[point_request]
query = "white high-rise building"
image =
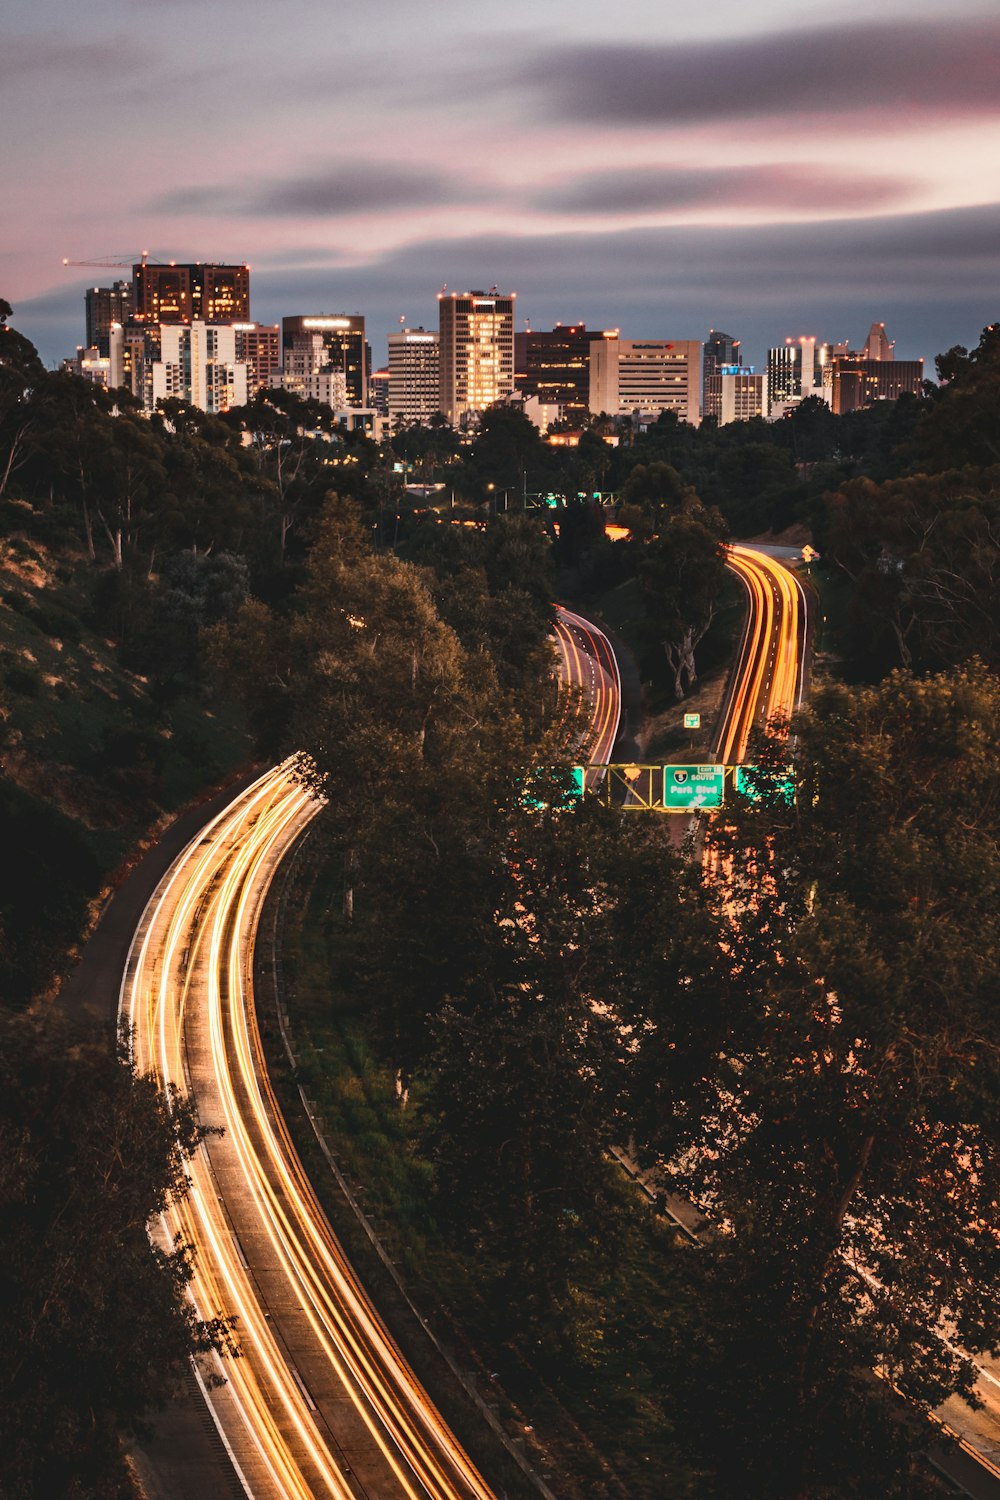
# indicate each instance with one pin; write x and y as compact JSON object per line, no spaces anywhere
{"x":414,"y":374}
{"x":198,"y":364}
{"x":735,"y":393}
{"x":646,"y":376}
{"x":796,"y":370}
{"x":476,"y":351}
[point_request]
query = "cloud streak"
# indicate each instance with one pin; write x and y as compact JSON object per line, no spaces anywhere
{"x":776,"y":187}
{"x":27,"y":60}
{"x":904,"y":71}
{"x":336,"y":192}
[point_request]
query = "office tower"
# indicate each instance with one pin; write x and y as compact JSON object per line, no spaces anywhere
{"x":414,"y":375}
{"x":258,"y":346}
{"x":106,"y":305}
{"x":645,"y":376}
{"x":735,"y":393}
{"x":134,"y":349}
{"x":858,"y":381}
{"x":718,"y":349}
{"x":877,"y":346}
{"x":378,"y":391}
{"x":553,"y":367}
{"x":185,"y":293}
{"x":198,"y":364}
{"x":476,"y":332}
{"x":796,"y":371}
{"x":318,"y":343}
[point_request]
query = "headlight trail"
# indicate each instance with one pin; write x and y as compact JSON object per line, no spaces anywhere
{"x":588,"y":663}
{"x":769,"y":678}
{"x":322,"y":1402}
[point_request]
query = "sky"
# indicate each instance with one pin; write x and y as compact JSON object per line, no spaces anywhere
{"x":770,"y":168}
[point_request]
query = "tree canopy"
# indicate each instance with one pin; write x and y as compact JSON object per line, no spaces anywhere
{"x":96,"y":1328}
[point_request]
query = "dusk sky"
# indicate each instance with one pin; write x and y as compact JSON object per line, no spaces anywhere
{"x":765,"y":167}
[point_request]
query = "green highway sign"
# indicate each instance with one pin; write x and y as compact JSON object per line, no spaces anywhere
{"x":692,"y":721}
{"x":753,"y":783}
{"x":688,"y":787}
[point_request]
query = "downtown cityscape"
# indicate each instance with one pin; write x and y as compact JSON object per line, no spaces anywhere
{"x":500,"y":752}
{"x":183,"y":331}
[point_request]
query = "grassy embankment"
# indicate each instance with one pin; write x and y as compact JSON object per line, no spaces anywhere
{"x":93,"y":759}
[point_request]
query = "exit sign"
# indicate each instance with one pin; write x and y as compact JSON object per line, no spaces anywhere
{"x":688,"y":787}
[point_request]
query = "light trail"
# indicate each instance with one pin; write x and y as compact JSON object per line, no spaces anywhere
{"x":322,"y":1402}
{"x":588,"y":662}
{"x":770,"y":675}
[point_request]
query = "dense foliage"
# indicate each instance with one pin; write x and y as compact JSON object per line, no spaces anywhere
{"x":95,"y":1327}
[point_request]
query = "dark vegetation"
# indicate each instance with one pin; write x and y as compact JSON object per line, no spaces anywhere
{"x":513,"y":988}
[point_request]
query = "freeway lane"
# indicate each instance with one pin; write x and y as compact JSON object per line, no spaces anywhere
{"x":587,"y":662}
{"x":769,"y":679}
{"x":322,"y":1403}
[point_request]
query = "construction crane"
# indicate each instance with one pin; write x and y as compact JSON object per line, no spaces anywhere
{"x":112,"y":262}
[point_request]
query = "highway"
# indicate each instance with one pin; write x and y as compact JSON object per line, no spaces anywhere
{"x":587,"y":661}
{"x":321,"y":1403}
{"x":768,"y":682}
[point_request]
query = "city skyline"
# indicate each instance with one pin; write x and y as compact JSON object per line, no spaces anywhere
{"x":772,"y":172}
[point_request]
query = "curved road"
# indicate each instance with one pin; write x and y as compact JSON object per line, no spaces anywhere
{"x":768,"y":682}
{"x":587,"y":661}
{"x":321,"y":1403}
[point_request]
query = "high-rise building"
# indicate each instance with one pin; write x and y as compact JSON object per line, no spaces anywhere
{"x":378,"y":392}
{"x":735,"y":394}
{"x":317,"y":342}
{"x":553,"y":367}
{"x":106,"y":305}
{"x":198,"y":364}
{"x":718,"y":349}
{"x":877,"y":346}
{"x":414,"y":375}
{"x":796,"y":370}
{"x":645,"y":376}
{"x":476,"y":331}
{"x":197,"y":291}
{"x":134,"y":349}
{"x":258,"y":346}
{"x":861,"y":382}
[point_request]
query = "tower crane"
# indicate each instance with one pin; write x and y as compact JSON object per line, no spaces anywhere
{"x":111,"y":262}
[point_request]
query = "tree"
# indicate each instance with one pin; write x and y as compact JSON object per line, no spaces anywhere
{"x":20,"y":372}
{"x":923,"y":554}
{"x":962,"y":423}
{"x":839,"y":1117}
{"x":532,"y":1063}
{"x":680,"y":576}
{"x":282,"y":429}
{"x":96,"y":1328}
{"x":650,"y":495}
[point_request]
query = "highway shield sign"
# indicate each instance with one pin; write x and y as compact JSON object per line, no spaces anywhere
{"x":686,"y":788}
